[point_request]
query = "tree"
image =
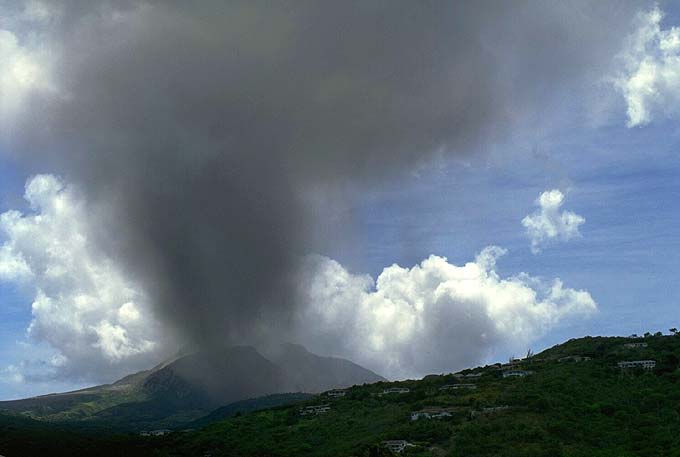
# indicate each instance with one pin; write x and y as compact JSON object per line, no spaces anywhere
{"x":673,"y":330}
{"x":378,"y":451}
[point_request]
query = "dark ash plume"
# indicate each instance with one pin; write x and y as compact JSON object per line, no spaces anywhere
{"x":197,"y":128}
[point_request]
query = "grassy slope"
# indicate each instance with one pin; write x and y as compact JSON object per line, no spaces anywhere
{"x":564,"y":409}
{"x":82,"y":404}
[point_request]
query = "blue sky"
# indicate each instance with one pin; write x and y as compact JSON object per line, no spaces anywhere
{"x":624,"y":180}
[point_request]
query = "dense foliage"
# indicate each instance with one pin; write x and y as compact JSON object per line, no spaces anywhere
{"x":585,"y":408}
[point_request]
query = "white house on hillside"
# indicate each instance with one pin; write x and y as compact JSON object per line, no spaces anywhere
{"x":635,"y":364}
{"x":314,"y":410}
{"x":430,"y":413}
{"x":458,"y":386}
{"x":468,"y":376}
{"x":574,"y":358}
{"x":395,"y":390}
{"x":516,"y":373}
{"x":337,"y":393}
{"x":635,"y":345}
{"x":396,"y":446}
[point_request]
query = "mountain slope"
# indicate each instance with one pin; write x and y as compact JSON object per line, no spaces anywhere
{"x":569,"y":408}
{"x":190,"y":387}
{"x":212,"y":379}
{"x":308,"y":372}
{"x":80,"y":404}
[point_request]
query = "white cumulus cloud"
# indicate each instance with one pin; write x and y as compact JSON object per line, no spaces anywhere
{"x":650,"y":81}
{"x":97,"y":320}
{"x":433,"y":317}
{"x":547,"y":224}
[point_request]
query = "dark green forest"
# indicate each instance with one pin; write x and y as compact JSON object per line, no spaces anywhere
{"x":585,"y":407}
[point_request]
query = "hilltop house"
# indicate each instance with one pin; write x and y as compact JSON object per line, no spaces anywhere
{"x":314,"y":410}
{"x":637,"y":364}
{"x":395,"y":390}
{"x":458,"y":386}
{"x":337,"y":393}
{"x":574,"y":358}
{"x":396,"y":446}
{"x":430,"y":413}
{"x":635,"y":345}
{"x":516,"y":373}
{"x":468,"y":376}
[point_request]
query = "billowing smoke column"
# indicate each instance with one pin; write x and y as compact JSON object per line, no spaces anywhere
{"x":196,"y":129}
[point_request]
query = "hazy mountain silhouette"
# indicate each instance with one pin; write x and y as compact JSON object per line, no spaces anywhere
{"x":191,"y":386}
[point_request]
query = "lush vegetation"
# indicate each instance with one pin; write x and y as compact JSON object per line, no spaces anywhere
{"x":584,"y":408}
{"x":245,"y":406}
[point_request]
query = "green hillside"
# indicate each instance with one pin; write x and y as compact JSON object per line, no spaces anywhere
{"x":564,"y":408}
{"x":246,"y":406}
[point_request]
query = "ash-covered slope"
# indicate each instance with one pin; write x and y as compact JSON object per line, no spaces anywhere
{"x":308,"y":372}
{"x":216,"y":378}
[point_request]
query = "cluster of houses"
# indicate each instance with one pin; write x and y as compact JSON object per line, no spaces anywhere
{"x":508,"y":370}
{"x":630,"y":365}
{"x":625,"y":365}
{"x":315,"y":410}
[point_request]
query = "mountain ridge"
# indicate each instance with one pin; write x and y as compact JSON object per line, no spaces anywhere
{"x":192,"y":386}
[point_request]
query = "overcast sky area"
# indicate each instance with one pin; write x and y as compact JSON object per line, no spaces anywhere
{"x":416,"y":190}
